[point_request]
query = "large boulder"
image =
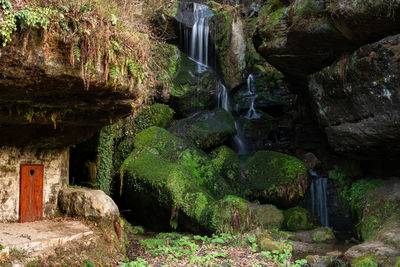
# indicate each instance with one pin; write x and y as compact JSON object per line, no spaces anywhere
{"x":89,"y":204}
{"x":357,"y":102}
{"x":298,"y":37}
{"x":175,"y":190}
{"x":206,"y":129}
{"x":367,"y":21}
{"x":276,"y":178}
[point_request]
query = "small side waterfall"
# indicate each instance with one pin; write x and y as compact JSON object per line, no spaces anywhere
{"x":319,"y":204}
{"x":251,"y":91}
{"x":222,"y":94}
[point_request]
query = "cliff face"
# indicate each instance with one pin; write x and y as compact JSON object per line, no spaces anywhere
{"x":67,"y":69}
{"x":324,"y":49}
{"x":43,"y":100}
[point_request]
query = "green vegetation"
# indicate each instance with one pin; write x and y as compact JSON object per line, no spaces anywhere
{"x":27,"y":17}
{"x":226,"y":162}
{"x":276,"y":178}
{"x":216,"y":250}
{"x":298,"y":219}
{"x":364,"y":261}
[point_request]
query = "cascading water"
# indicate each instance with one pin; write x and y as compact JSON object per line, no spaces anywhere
{"x":200,"y":36}
{"x":252,"y":113}
{"x":222,"y":94}
{"x":319,"y":204}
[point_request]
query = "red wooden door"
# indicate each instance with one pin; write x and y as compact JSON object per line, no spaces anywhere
{"x":31,"y":195}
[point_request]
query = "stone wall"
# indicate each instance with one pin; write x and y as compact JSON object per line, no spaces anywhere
{"x":55,"y":177}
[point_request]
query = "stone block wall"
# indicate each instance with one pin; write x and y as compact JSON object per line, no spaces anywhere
{"x":55,"y":177}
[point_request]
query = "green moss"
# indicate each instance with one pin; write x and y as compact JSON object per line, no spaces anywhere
{"x":276,"y":177}
{"x":234,"y":214}
{"x":298,"y":219}
{"x":306,"y":9}
{"x":322,"y":235}
{"x":206,"y":129}
{"x":397,"y":262}
{"x":169,"y":146}
{"x":105,"y":151}
{"x":226,"y":163}
{"x":364,"y":261}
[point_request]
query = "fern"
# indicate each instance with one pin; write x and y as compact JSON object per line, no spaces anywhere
{"x":114,"y":72}
{"x":77,"y":52}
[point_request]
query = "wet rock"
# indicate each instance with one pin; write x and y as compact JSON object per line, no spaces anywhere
{"x":276,"y":178}
{"x":90,"y":204}
{"x":357,"y":103}
{"x":207,"y":129}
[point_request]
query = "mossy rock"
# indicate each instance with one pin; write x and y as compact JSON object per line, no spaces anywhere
{"x":235,"y":214}
{"x":207,"y":129}
{"x":226,"y":163}
{"x":276,"y":178}
{"x":364,"y":261}
{"x":397,"y":262}
{"x":323,"y":235}
{"x":298,"y":219}
{"x":173,"y":187}
{"x":180,"y":151}
{"x":266,"y":243}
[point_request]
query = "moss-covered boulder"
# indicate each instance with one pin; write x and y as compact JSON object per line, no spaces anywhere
{"x":173,"y":187}
{"x":298,"y":219}
{"x":234,"y":214}
{"x":179,"y":151}
{"x":206,"y":129}
{"x":266,"y":243}
{"x":226,"y":163}
{"x":276,"y":178}
{"x":322,"y":235}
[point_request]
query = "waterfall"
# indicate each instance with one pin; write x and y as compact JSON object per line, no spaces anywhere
{"x":251,"y":91}
{"x":200,"y":34}
{"x":318,"y":191}
{"x":222,"y":95}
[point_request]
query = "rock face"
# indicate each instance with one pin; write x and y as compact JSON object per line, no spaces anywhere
{"x":43,"y":101}
{"x":299,"y":38}
{"x":207,"y":129}
{"x":357,"y":100}
{"x":90,"y":204}
{"x":304,"y":36}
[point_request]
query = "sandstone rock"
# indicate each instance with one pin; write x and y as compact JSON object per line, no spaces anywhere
{"x":91,"y":204}
{"x":366,"y":21}
{"x":357,"y":100}
{"x":56,"y":110}
{"x":299,"y":38}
